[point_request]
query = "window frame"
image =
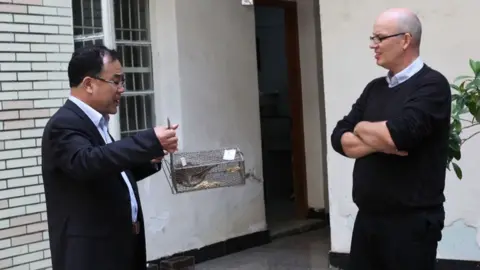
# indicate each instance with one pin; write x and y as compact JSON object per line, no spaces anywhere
{"x":108,"y":38}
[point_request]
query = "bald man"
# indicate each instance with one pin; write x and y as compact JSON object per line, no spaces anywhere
{"x":397,"y":130}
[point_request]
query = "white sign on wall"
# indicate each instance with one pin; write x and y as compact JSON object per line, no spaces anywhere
{"x":247,"y":2}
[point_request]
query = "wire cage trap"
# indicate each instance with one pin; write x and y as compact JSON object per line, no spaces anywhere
{"x":190,"y":171}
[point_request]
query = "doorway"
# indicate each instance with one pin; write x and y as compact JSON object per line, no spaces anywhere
{"x":281,"y":112}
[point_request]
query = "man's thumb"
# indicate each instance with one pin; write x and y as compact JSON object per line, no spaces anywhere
{"x":174,"y":127}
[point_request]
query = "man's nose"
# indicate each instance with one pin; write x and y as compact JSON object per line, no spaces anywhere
{"x":121,"y":89}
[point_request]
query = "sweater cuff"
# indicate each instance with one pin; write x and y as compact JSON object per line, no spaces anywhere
{"x":337,"y":141}
{"x":397,"y":139}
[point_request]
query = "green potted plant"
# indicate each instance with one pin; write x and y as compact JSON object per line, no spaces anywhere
{"x":465,"y":114}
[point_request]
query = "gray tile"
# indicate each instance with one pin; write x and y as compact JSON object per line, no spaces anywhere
{"x":308,"y":251}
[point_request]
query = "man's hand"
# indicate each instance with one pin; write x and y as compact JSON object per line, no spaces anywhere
{"x":168,"y":138}
{"x":354,"y":147}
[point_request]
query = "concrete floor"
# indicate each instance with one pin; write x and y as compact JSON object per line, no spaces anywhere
{"x":307,"y":251}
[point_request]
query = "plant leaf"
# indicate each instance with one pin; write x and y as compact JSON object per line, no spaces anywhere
{"x":475,"y":65}
{"x":472,"y":107}
{"x":457,"y":125}
{"x":464,"y":77}
{"x":477,"y":115}
{"x":455,"y":87}
{"x":461,"y":87}
{"x":473,"y":84}
{"x":454,"y":115}
{"x":457,"y":154}
{"x":458,"y":170}
{"x":476,"y":82}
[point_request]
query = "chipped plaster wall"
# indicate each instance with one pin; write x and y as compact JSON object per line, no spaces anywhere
{"x":204,"y":60}
{"x":449,"y":40}
{"x":206,"y":80}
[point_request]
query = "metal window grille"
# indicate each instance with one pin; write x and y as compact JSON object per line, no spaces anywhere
{"x":134,"y":46}
{"x":87,"y":22}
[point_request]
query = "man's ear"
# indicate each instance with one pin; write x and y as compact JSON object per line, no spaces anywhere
{"x":88,"y":84}
{"x":407,"y":41}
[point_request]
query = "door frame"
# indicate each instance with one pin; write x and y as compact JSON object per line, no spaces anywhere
{"x":296,"y":102}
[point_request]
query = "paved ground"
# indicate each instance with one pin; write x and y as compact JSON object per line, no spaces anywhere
{"x":307,"y":251}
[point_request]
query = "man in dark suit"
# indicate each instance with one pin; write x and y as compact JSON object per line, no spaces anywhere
{"x":93,"y":207}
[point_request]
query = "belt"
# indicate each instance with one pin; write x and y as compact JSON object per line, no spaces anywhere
{"x":136,"y":227}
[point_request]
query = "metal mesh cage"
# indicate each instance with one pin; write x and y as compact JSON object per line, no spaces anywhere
{"x":190,"y":171}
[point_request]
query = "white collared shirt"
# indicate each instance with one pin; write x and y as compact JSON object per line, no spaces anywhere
{"x":405,"y":74}
{"x":101,"y":123}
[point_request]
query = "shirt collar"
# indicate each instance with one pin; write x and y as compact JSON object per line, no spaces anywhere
{"x":405,"y":74}
{"x":97,"y":118}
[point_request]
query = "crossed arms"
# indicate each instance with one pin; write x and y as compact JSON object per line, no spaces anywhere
{"x":367,"y":138}
{"x":355,"y":138}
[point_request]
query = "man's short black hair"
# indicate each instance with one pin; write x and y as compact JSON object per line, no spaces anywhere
{"x":88,"y":61}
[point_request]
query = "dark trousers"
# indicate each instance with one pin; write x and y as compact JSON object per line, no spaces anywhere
{"x":85,"y":253}
{"x":396,"y":241}
{"x":136,"y":252}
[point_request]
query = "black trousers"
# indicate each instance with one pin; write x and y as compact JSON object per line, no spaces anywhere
{"x":88,"y":253}
{"x":396,"y":241}
{"x":136,"y":252}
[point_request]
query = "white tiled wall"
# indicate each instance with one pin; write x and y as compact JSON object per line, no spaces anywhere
{"x":36,"y":43}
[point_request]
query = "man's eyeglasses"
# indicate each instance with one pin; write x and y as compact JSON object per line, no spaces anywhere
{"x":379,"y":39}
{"x":119,"y":83}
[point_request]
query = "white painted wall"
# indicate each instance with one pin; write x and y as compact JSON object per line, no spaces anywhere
{"x":206,"y":80}
{"x":448,"y":43}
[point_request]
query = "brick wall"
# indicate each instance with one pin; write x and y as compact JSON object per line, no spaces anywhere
{"x":35,"y":46}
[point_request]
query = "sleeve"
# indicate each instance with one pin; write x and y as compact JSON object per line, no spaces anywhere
{"x":348,"y":123}
{"x":76,"y":156}
{"x":143,"y":171}
{"x":428,"y":105}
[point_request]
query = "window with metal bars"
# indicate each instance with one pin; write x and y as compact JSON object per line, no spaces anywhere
{"x":134,"y":46}
{"x":87,"y":22}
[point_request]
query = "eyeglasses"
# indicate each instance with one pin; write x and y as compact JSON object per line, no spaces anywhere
{"x":379,"y":39}
{"x":119,"y":84}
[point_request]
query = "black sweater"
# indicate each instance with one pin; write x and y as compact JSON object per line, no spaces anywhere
{"x":418,"y":117}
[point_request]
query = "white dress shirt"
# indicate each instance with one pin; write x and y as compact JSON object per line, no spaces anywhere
{"x":405,"y":74}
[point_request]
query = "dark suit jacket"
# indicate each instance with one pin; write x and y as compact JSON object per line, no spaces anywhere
{"x":88,"y":204}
